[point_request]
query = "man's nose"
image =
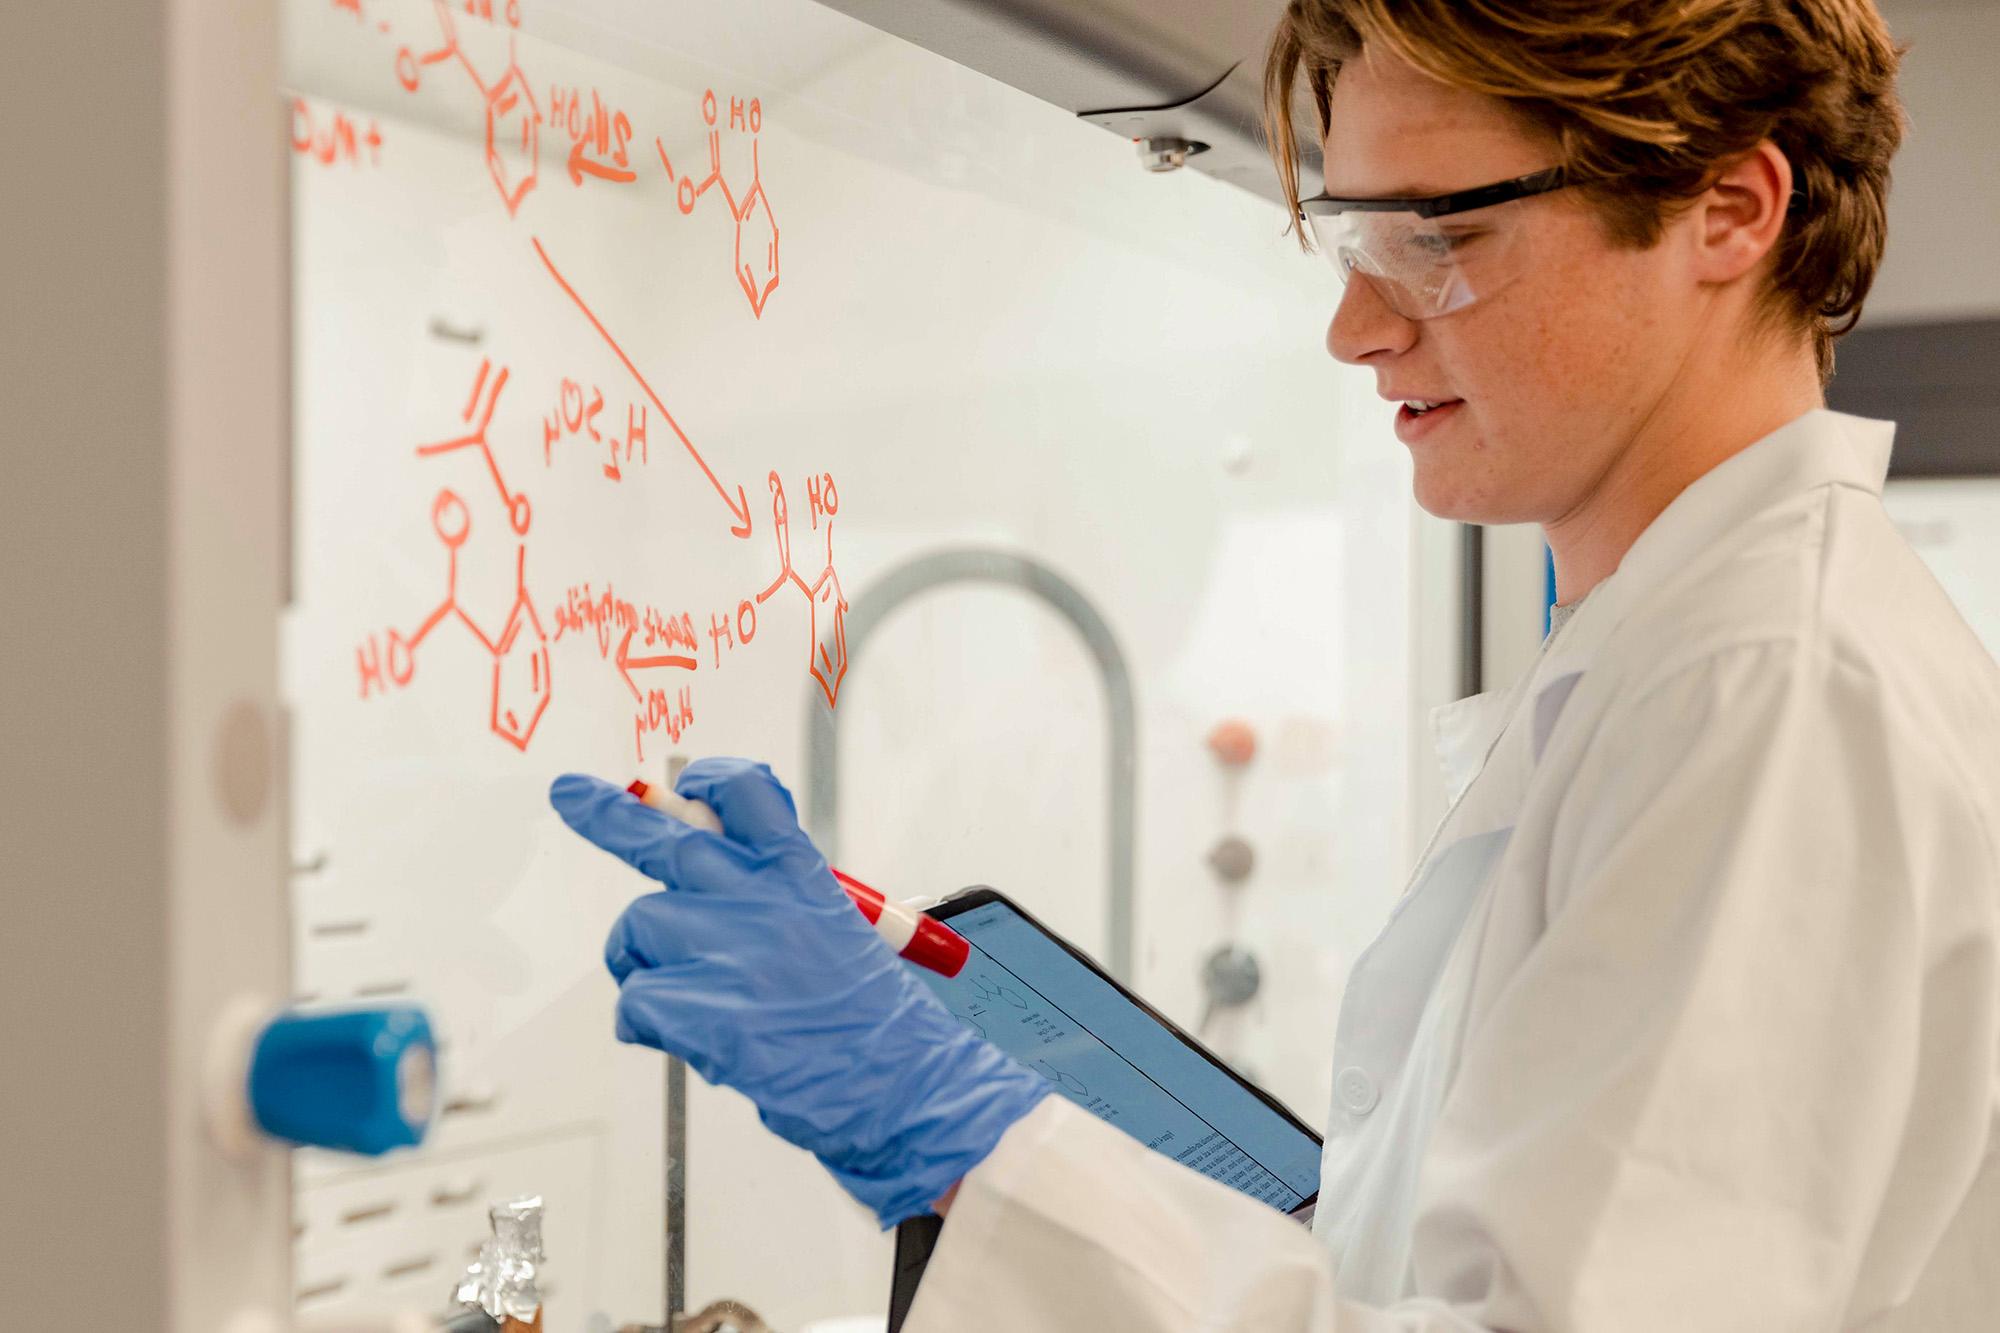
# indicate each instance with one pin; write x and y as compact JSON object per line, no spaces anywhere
{"x":1364,"y":325}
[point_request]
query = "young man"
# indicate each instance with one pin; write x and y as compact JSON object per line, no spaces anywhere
{"x":1690,"y":1021}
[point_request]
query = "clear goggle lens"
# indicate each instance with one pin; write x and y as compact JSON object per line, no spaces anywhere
{"x":1424,"y":267}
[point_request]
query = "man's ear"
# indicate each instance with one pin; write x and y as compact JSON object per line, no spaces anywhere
{"x":1738,"y":219}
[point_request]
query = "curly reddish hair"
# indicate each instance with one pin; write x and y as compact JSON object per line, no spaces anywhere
{"x":1645,"y":100}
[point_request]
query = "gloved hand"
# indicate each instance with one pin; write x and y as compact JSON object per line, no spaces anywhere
{"x":756,"y":969}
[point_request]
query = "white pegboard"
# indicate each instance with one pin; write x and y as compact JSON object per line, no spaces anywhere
{"x":398,"y":1237}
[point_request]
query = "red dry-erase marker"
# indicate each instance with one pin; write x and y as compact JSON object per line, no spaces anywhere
{"x":922,"y":939}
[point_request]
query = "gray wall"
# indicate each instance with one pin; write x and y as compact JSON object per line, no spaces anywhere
{"x":1944,"y":202}
{"x":83,"y":621}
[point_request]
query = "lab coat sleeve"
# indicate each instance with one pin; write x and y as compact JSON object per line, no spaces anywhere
{"x":1073,"y":1224}
{"x":1744,"y":1076}
{"x":1753,"y":1043}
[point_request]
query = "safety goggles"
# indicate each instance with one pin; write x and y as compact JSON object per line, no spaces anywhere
{"x":1428,"y":257}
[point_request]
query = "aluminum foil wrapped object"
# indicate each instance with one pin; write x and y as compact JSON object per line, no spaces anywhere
{"x":501,"y":1281}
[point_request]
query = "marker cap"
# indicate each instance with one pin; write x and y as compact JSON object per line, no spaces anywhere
{"x":917,"y":936}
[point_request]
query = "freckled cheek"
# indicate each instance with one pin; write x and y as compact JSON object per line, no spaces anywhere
{"x":1508,"y":361}
{"x":1509,"y":364}
{"x":1569,"y":344}
{"x":1610,"y":311}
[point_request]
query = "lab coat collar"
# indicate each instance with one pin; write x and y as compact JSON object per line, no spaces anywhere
{"x":1463,"y":734}
{"x":1820,"y":448}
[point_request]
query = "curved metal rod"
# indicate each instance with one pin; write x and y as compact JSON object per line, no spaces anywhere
{"x":940,"y":569}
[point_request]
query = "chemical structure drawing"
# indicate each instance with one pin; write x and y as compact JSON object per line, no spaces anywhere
{"x":522,"y":682}
{"x":519,"y":515}
{"x":600,"y":135}
{"x":756,"y":226}
{"x":827,"y":656}
{"x":1068,"y":1082}
{"x":513,"y":116}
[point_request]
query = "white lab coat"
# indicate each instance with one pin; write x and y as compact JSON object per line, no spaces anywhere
{"x":1688,"y":1019}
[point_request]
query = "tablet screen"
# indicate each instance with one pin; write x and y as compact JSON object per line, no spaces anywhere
{"x":1048,"y":1009}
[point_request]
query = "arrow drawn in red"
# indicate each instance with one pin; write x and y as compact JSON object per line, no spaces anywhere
{"x":578,"y":164}
{"x":627,"y":663}
{"x":738,"y":507}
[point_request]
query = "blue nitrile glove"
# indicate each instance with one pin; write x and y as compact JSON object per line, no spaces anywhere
{"x":756,"y":969}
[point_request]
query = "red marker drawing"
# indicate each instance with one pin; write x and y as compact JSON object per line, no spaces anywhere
{"x":922,"y":939}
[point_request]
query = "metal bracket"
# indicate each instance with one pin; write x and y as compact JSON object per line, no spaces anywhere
{"x":1222,"y":124}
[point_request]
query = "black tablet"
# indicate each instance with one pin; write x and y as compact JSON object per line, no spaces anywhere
{"x":1049,"y":1006}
